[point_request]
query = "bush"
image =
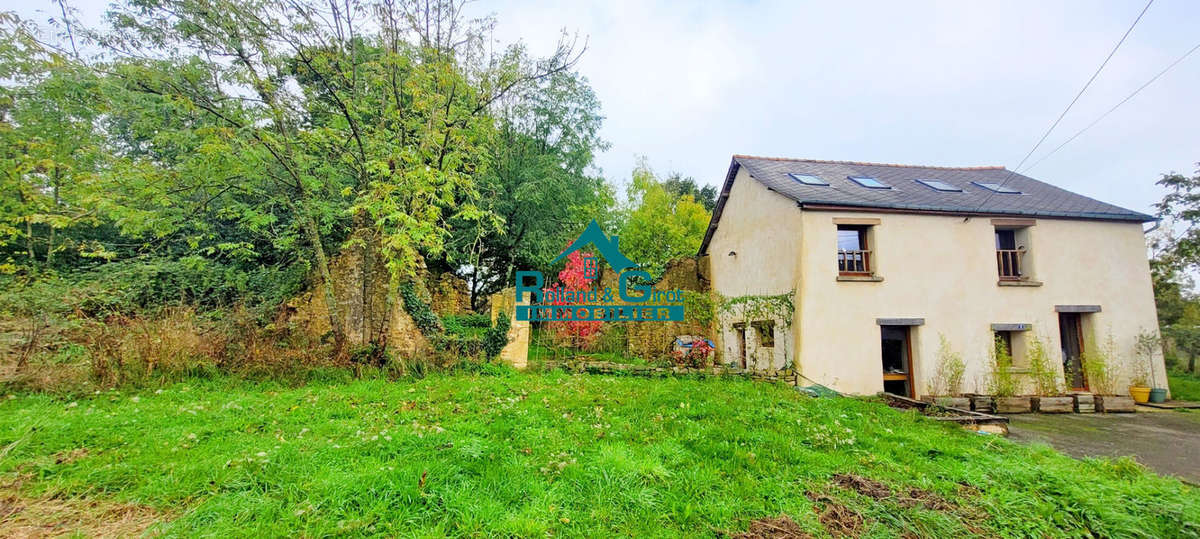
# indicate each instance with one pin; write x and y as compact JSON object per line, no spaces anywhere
{"x":1003,"y":382}
{"x":1045,"y":376}
{"x":1097,"y":365}
{"x":950,"y":370}
{"x":466,"y":324}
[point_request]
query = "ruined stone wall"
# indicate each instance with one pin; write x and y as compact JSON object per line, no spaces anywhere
{"x":370,"y":311}
{"x":654,"y":340}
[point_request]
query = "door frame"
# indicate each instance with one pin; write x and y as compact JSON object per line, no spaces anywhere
{"x":1078,"y":338}
{"x":908,"y":374}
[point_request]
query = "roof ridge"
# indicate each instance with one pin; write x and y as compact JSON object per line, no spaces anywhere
{"x":824,"y":161}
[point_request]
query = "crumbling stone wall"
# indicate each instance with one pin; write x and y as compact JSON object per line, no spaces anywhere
{"x":448,"y":294}
{"x":516,"y":352}
{"x":370,"y":311}
{"x":654,"y":340}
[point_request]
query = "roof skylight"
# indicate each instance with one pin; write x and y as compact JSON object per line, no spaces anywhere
{"x":869,"y":182}
{"x":998,"y":188}
{"x":938,"y":185}
{"x":808,"y":179}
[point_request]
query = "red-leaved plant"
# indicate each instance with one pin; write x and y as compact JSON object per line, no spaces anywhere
{"x":578,"y":334}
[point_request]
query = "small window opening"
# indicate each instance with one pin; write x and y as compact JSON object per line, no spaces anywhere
{"x":766,"y":332}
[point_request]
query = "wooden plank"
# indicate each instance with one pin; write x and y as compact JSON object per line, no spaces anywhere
{"x":1011,"y":222}
{"x":863,"y":221}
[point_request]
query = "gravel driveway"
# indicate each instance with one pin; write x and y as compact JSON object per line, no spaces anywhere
{"x":1167,"y":442}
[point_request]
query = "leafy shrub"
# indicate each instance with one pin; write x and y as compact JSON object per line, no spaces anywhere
{"x":1041,"y":370}
{"x":496,"y":337}
{"x":698,"y":307}
{"x":1002,"y":383}
{"x":466,"y":324}
{"x":950,"y":370}
{"x":1098,"y":366}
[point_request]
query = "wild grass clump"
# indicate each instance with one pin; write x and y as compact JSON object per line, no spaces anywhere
{"x":1046,"y":380}
{"x":950,"y":370}
{"x":1098,"y":368}
{"x":1002,"y":382}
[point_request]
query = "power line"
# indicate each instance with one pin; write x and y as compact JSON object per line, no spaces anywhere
{"x":1068,"y":109}
{"x":1118,"y":105}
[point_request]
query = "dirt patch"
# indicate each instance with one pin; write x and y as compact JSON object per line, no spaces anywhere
{"x":50,"y":517}
{"x":780,"y":527}
{"x":908,"y":498}
{"x":837,"y":519}
{"x":67,"y":457}
{"x":867,"y":487}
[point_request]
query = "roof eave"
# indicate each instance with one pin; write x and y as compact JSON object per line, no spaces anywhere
{"x":720,"y":207}
{"x":1132,"y":217}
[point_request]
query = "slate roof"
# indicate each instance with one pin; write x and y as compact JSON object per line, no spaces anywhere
{"x":1037,"y":199}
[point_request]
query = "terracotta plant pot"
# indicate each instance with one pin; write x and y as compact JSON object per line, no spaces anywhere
{"x":1140,"y":394}
{"x":1064,"y":404}
{"x":1114,"y":404}
{"x":1013,"y":405}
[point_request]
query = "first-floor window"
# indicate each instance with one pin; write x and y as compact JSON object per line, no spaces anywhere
{"x":854,"y":253}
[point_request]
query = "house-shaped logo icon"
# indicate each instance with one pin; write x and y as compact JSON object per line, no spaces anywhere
{"x":608,"y":247}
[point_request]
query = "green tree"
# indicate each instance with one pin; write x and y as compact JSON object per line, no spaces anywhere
{"x":659,"y":225}
{"x":254,"y":124}
{"x":539,"y":186}
{"x":679,"y":185}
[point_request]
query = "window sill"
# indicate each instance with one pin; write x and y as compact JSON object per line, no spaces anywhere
{"x":860,"y":278}
{"x":1004,"y":282}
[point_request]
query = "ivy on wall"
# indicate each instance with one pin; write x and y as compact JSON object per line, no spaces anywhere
{"x":698,"y":307}
{"x":423,"y":316}
{"x":779,"y":307}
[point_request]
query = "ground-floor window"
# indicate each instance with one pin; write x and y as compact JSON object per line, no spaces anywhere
{"x":766,"y":332}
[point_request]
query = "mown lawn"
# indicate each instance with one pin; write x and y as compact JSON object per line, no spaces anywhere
{"x":538,"y":454}
{"x":1184,"y":386}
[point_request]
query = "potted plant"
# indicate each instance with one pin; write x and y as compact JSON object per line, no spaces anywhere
{"x":1003,"y":382}
{"x":1139,"y":386}
{"x":1148,"y":342}
{"x":947,"y":382}
{"x":1097,"y":368}
{"x":1048,"y":398}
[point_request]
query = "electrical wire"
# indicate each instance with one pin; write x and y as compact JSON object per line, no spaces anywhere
{"x":1118,"y":105}
{"x":1068,"y":109}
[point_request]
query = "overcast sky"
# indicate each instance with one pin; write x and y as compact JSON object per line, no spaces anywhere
{"x":688,"y":84}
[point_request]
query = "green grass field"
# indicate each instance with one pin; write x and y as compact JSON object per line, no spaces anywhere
{"x":1184,"y":386}
{"x":538,"y":454}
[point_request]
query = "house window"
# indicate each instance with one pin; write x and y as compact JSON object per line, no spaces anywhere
{"x":1010,"y":253}
{"x":854,"y":252}
{"x":766,"y":332}
{"x":1004,"y":341}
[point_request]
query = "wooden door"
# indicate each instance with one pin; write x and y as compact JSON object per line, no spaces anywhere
{"x":1070,"y":334}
